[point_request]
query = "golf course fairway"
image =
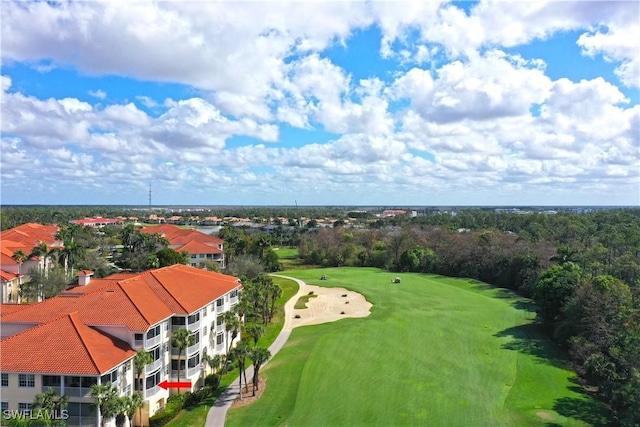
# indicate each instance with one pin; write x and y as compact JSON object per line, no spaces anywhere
{"x":435,"y":351}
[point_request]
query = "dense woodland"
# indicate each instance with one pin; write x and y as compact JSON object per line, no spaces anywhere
{"x":582,"y":270}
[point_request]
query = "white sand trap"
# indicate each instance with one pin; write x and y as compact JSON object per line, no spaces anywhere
{"x":329,"y":306}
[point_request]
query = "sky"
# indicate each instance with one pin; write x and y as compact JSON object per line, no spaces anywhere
{"x":392,"y":103}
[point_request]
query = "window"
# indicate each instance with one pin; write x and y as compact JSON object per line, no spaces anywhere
{"x":153,"y":380}
{"x":177,"y":321}
{"x":204,"y":332}
{"x":23,"y":406}
{"x":156,"y":353}
{"x":220,"y":302}
{"x":138,"y":337}
{"x":27,"y":380}
{"x":213,"y":306}
{"x":194,"y":361}
{"x":127,"y":390}
{"x":174,"y":364}
{"x":234,"y":293}
{"x":200,"y":255}
{"x":153,"y":332}
{"x":5,"y":380}
{"x":4,"y":406}
{"x":111,"y":377}
{"x":50,"y":381}
{"x":204,"y":311}
{"x":196,"y":336}
{"x":125,"y":367}
{"x":219,"y":320}
{"x":220,"y":339}
{"x":194,"y":318}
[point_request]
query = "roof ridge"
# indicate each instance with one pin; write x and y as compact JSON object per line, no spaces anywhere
{"x":152,"y":274}
{"x":75,"y":317}
{"x":133,"y":303}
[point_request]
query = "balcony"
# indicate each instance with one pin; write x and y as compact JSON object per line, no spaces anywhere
{"x":220,"y":327}
{"x":57,"y":389}
{"x":151,"y":391}
{"x":152,"y":342}
{"x":193,"y":349}
{"x":193,"y":371}
{"x":153,"y":366}
{"x":233,"y":300}
{"x":77,"y":391}
{"x":194,"y":326}
{"x":220,"y":347}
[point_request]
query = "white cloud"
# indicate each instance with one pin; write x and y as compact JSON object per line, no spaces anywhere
{"x":100,"y":94}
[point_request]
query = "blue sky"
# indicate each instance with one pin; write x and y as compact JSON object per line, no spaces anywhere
{"x":323,"y":103}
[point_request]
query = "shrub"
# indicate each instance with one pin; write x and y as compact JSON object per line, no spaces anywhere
{"x":212,"y":380}
{"x":162,"y":417}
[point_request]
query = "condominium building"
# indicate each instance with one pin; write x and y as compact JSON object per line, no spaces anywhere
{"x":90,"y":335}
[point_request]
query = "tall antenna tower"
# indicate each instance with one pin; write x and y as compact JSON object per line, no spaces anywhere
{"x":149,"y":197}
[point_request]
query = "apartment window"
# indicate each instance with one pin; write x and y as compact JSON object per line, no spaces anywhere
{"x":24,"y":406}
{"x":177,"y":321}
{"x":220,"y":339}
{"x":219,"y":320}
{"x":27,"y":380}
{"x":156,"y":353}
{"x":174,"y":364}
{"x":200,"y":255}
{"x":204,"y":332}
{"x":138,"y":337}
{"x":213,"y":306}
{"x":204,"y":312}
{"x":5,"y":380}
{"x":50,"y":381}
{"x":234,"y":293}
{"x":153,"y":380}
{"x":125,"y":367}
{"x":194,"y":361}
{"x":4,"y":406}
{"x":194,"y":318}
{"x":111,"y":377}
{"x":127,"y":390}
{"x":220,"y":302}
{"x":153,"y":332}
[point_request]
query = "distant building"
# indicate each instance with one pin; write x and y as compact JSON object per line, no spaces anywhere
{"x":200,"y":246}
{"x":97,"y":222}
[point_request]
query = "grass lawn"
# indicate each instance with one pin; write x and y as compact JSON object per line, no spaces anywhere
{"x":302,"y":301}
{"x":197,"y":415}
{"x":435,"y":351}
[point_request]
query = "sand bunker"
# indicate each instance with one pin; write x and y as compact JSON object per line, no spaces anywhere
{"x":331,"y":304}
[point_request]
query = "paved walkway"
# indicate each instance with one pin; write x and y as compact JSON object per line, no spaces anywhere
{"x":218,"y":412}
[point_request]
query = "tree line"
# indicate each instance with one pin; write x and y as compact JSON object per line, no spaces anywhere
{"x":582,"y":271}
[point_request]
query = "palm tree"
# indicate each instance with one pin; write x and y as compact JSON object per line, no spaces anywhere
{"x":255,"y":331}
{"x":232,"y":326}
{"x":140,"y":360}
{"x":276,"y":292}
{"x":181,"y":339}
{"x":19,"y":256}
{"x":41,"y":250}
{"x":105,"y":396}
{"x":214,"y":362}
{"x":71,"y":254}
{"x":49,"y":401}
{"x":130,"y":404}
{"x":259,"y":356}
{"x":241,"y":352}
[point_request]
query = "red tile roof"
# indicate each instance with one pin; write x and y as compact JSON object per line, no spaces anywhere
{"x":63,"y":345}
{"x":7,"y":276}
{"x":137,"y":301}
{"x":10,"y":308}
{"x":195,"y":247}
{"x":180,"y":236}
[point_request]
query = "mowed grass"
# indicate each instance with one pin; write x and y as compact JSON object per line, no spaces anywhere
{"x":435,"y":351}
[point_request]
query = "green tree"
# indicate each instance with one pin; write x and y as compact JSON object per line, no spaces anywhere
{"x":232,"y":327}
{"x":554,"y":288}
{"x":213,"y":362}
{"x":181,"y":339}
{"x":105,"y":396}
{"x":240,"y":353}
{"x":168,"y":256}
{"x":259,"y":356}
{"x":130,"y":404}
{"x":255,"y":332}
{"x":140,"y":360}
{"x":46,"y":284}
{"x":49,"y":401}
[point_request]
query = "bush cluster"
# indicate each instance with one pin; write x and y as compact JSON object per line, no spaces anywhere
{"x":162,"y":417}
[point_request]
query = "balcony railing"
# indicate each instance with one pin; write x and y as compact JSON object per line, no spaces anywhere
{"x":151,"y":391}
{"x":153,"y":366}
{"x":194,"y":326}
{"x":220,"y":327}
{"x":193,"y":371}
{"x":219,"y":308}
{"x":233,"y":300}
{"x":77,"y":391}
{"x":57,"y":389}
{"x":219,"y":347}
{"x":193,"y":349}
{"x":152,"y":342}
